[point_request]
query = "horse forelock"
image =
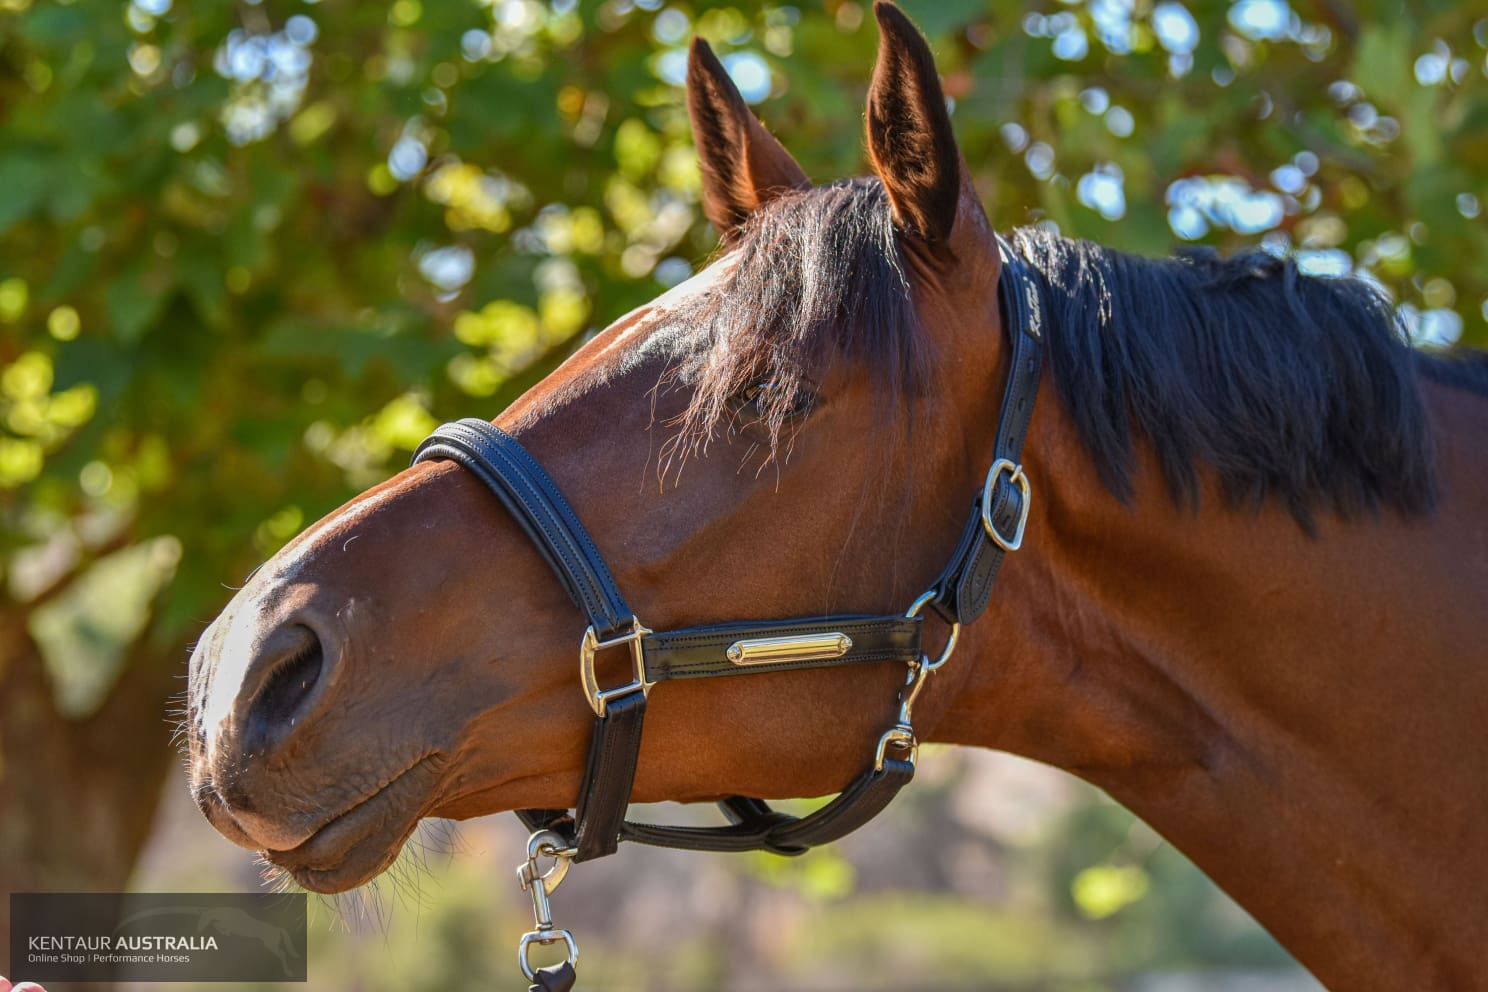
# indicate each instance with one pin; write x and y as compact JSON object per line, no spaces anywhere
{"x":819,"y":277}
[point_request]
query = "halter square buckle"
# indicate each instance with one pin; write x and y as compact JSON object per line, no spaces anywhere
{"x":592,"y":645}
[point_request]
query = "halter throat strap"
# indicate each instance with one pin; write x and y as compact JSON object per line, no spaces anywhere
{"x":960,"y":594}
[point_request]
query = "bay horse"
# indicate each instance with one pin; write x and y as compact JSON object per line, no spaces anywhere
{"x":1249,"y":605}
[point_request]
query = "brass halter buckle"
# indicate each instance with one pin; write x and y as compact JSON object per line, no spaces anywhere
{"x":1014,"y":472}
{"x":539,"y":885}
{"x":592,"y":645}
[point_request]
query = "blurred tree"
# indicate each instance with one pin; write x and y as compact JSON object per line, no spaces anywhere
{"x":251,"y":252}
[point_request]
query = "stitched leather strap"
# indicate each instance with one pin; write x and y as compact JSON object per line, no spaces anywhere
{"x":599,"y":822}
{"x":757,"y":827}
{"x":533,"y":498}
{"x":605,"y":793}
{"x":965,"y":587}
{"x":698,"y":652}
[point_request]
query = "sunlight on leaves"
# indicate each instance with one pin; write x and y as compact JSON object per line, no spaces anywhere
{"x":1105,"y":890}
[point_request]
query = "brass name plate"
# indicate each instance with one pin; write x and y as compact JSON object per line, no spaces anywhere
{"x":774,"y":650}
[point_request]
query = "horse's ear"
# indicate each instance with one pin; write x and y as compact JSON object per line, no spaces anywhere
{"x":744,"y":167}
{"x":909,"y":131}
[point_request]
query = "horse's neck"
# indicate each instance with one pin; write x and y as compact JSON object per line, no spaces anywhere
{"x":1304,"y":717}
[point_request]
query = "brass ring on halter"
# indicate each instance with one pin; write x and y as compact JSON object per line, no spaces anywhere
{"x":927,"y":597}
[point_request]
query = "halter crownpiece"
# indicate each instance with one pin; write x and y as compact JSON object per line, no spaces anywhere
{"x":998,"y":518}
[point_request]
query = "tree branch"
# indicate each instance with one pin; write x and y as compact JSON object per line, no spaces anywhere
{"x":87,"y":558}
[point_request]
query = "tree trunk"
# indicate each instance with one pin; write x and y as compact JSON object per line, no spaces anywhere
{"x":77,"y":796}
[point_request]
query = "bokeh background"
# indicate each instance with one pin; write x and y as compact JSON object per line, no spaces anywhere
{"x":250,"y":252}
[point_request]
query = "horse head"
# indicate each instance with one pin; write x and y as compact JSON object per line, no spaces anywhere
{"x":794,"y":431}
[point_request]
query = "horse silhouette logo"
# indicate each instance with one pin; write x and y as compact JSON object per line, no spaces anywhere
{"x":229,"y":921}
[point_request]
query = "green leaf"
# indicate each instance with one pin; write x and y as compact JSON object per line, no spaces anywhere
{"x":55,"y":24}
{"x":939,"y":17}
{"x":133,"y":301}
{"x":200,"y":272}
{"x":24,"y":182}
{"x":1383,"y":63}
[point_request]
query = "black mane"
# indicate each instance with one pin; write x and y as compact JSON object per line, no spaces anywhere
{"x":1288,"y":386}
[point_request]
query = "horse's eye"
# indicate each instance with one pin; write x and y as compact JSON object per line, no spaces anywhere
{"x":760,"y":400}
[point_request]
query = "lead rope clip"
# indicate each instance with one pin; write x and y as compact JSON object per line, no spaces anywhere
{"x":901,"y":735}
{"x":540,"y":884}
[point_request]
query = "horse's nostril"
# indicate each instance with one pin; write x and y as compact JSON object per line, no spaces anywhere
{"x":274,"y":709}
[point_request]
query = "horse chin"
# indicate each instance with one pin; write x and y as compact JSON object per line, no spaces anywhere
{"x":360,"y":842}
{"x":360,"y":867}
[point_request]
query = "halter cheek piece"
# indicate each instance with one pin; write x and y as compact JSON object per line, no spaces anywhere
{"x":959,"y":595}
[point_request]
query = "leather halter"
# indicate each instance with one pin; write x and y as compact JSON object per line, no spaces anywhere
{"x":959,"y":595}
